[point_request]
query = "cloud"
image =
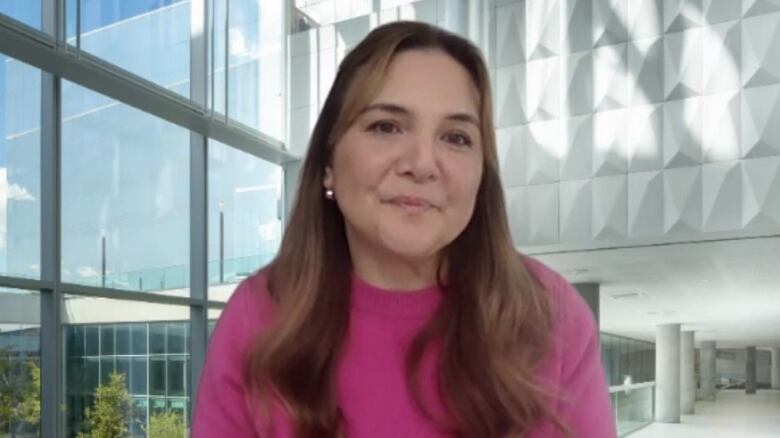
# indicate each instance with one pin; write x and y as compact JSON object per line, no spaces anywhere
{"x":8,"y":192}
{"x":87,"y":271}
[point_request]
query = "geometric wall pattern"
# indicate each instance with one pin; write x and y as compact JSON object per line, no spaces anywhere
{"x":615,"y":119}
{"x":637,"y":119}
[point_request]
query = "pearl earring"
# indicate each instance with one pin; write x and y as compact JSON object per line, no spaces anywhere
{"x":329,"y":194}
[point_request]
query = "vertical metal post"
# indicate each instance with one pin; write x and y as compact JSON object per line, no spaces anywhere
{"x":103,"y":260}
{"x":227,"y":59}
{"x":199,"y":43}
{"x":221,"y":244}
{"x":51,"y":300}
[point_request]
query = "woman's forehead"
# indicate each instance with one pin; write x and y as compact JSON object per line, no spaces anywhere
{"x":427,"y":81}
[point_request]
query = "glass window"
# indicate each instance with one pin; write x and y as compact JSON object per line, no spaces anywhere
{"x":244,"y":223}
{"x":106,"y":340}
{"x":157,"y":376}
{"x":176,"y":376}
{"x":122,"y":339}
{"x":20,"y":162}
{"x":125,"y":196}
{"x":138,"y":377}
{"x":131,"y":342}
{"x":74,"y":406}
{"x":157,"y":338}
{"x":255,"y":85}
{"x":149,"y":38}
{"x":26,"y":11}
{"x":177,"y":404}
{"x":91,"y":374}
{"x":178,"y":338}
{"x":140,"y":414}
{"x":92,"y":340}
{"x":156,"y":406}
{"x":75,"y":340}
{"x":74,"y":376}
{"x":106,"y":369}
{"x":138,"y":336}
{"x":123,"y":367}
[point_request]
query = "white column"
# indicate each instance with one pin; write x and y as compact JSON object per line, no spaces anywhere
{"x":776,"y":368}
{"x":687,"y":374}
{"x":707,"y":361}
{"x":667,"y":373}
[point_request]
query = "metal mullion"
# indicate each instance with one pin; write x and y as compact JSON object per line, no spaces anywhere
{"x":126,"y":295}
{"x":25,"y":283}
{"x":227,"y":58}
{"x":98,"y":75}
{"x":78,"y":27}
{"x":199,"y":87}
{"x":290,"y":171}
{"x":51,"y":421}
{"x":284,"y":65}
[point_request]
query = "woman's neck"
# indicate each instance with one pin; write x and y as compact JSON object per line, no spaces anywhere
{"x":392,"y":271}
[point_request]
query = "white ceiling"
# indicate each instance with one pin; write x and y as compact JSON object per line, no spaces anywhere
{"x":727,"y":291}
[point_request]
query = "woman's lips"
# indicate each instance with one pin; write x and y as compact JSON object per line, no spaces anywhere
{"x":411,"y":204}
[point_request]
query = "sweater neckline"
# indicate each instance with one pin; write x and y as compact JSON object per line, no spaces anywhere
{"x":395,"y":303}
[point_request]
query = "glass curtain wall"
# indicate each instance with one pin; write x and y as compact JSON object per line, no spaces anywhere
{"x":627,"y":361}
{"x":127,"y":176}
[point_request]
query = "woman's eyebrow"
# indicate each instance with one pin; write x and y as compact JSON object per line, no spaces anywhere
{"x":464,"y":117}
{"x":388,"y":107}
{"x":401,"y":111}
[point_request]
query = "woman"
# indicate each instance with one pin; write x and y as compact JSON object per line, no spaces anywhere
{"x":397,"y":305}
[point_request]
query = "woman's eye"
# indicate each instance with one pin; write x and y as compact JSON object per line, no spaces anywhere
{"x":384,"y":127}
{"x":458,"y":139}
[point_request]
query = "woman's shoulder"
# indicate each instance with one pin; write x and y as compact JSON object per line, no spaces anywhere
{"x":250,"y":308}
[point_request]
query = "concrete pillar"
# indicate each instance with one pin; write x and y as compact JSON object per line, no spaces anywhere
{"x":776,"y":368}
{"x":750,"y":371}
{"x":590,"y":291}
{"x":687,"y":373}
{"x":707,"y":364}
{"x":667,"y":373}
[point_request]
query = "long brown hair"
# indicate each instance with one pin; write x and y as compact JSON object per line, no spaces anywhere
{"x":494,"y":322}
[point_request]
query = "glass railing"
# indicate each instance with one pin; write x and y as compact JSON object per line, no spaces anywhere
{"x":178,"y":277}
{"x":633,"y":406}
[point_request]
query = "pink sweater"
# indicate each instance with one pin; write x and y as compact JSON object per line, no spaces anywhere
{"x":372,"y":389}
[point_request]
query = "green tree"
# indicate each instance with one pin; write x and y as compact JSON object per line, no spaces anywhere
{"x":20,"y":389}
{"x":107,"y":418}
{"x":167,"y":425}
{"x":30,"y":408}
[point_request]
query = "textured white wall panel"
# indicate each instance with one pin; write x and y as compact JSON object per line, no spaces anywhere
{"x":575,"y":212}
{"x":577,"y":156}
{"x":682,"y":200}
{"x":610,"y":207}
{"x":760,"y":127}
{"x":645,"y":204}
{"x":510,"y":21}
{"x":644,"y":138}
{"x":722,"y":196}
{"x":761,"y":192}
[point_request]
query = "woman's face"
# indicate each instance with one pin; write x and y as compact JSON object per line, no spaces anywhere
{"x":407,"y":172}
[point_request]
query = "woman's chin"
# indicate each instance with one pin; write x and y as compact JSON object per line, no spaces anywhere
{"x":411,"y":247}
